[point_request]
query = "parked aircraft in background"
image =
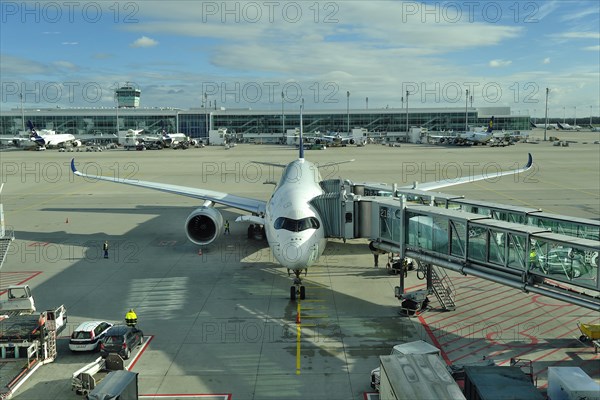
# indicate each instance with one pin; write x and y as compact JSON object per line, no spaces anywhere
{"x":548,"y":126}
{"x":567,"y":127}
{"x":482,"y":136}
{"x":294,"y":229}
{"x":46,"y":138}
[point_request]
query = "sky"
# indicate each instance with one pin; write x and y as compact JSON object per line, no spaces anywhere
{"x":331,"y":54}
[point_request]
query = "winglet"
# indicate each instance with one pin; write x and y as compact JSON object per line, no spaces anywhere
{"x":529,"y":161}
{"x":73,"y":166}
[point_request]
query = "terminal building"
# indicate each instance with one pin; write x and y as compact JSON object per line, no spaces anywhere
{"x":389,"y":124}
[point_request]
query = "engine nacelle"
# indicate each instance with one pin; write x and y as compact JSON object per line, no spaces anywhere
{"x":352,"y":141}
{"x":204,"y":225}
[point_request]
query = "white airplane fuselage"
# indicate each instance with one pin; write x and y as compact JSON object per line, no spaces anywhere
{"x":294,"y":238}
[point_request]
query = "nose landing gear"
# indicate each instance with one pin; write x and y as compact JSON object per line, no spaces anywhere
{"x":298,"y":290}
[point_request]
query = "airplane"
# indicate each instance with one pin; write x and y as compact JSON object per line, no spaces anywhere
{"x":46,"y":138}
{"x":469,"y":138}
{"x":548,"y":126}
{"x":294,"y":229}
{"x":337,"y":140}
{"x":567,"y":127}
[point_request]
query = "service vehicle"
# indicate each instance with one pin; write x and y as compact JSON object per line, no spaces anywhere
{"x":121,"y":339}
{"x":88,"y":335}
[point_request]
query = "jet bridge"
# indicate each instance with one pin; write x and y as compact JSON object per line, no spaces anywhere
{"x":504,"y":244}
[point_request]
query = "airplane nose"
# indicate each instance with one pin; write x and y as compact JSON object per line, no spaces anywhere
{"x":293,"y":254}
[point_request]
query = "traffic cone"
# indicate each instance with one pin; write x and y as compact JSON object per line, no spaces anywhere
{"x":298,"y":318}
{"x":199,"y":252}
{"x":67,"y":221}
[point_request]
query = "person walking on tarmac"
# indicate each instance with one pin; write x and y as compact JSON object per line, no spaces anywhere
{"x":131,"y":318}
{"x":226,"y":227}
{"x":105,"y":248}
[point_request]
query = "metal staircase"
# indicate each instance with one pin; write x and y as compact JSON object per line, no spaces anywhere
{"x":6,"y":235}
{"x":441,"y":285}
{"x":5,"y":245}
{"x":443,"y":288}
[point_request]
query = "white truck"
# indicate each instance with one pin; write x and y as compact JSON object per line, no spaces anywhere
{"x":416,"y":347}
{"x":416,"y":377}
{"x":19,"y":301}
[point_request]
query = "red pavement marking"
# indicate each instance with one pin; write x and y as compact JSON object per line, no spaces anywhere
{"x":512,"y":308}
{"x":531,"y":337}
{"x":142,"y":350}
{"x":433,"y":320}
{"x":534,"y":341}
{"x":30,"y":275}
{"x":539,"y":334}
{"x":434,"y":339}
{"x":470,"y":309}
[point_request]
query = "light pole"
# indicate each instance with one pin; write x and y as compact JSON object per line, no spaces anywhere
{"x":23,"y":113}
{"x":367,"y":102}
{"x":117,"y":109}
{"x":564,"y":114}
{"x":206,"y":114}
{"x":348,"y":112}
{"x":575,"y":121}
{"x":546,"y":124}
{"x":467,"y":111}
{"x":407,"y":130}
{"x":282,"y":118}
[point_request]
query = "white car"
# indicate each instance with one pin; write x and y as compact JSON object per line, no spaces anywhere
{"x":88,"y":335}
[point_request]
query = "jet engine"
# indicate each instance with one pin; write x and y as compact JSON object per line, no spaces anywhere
{"x":76,"y":143}
{"x":204,"y":225}
{"x":352,"y":141}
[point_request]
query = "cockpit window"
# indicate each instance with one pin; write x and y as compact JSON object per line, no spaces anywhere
{"x":296,"y":225}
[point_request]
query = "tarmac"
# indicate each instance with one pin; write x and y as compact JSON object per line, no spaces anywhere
{"x":218,"y":321}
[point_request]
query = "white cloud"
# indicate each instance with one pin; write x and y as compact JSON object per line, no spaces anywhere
{"x":64,"y":64}
{"x":577,"y":35}
{"x":144,"y":41}
{"x":546,"y":60}
{"x":70,"y":43}
{"x":593,"y":11}
{"x":546,"y":8}
{"x":499,"y":63}
{"x":592,"y":48}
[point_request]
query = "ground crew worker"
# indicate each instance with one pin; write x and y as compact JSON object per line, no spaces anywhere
{"x":105,"y":248}
{"x":226,"y":227}
{"x":532,"y":258}
{"x":131,"y":318}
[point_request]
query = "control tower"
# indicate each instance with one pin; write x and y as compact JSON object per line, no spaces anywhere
{"x":128,"y":96}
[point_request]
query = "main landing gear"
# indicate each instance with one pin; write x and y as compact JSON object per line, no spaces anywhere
{"x":298,"y":290}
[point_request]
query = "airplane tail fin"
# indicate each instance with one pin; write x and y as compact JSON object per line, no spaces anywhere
{"x":32,"y":131}
{"x":33,"y":135}
{"x":490,"y":125}
{"x":301,"y":154}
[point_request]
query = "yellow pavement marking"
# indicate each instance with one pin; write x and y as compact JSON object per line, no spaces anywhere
{"x":298,"y":331}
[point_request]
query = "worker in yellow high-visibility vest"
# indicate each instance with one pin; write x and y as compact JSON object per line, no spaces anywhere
{"x":131,"y":318}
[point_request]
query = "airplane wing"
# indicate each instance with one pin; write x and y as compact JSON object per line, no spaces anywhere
{"x":467,"y":179}
{"x":329,"y":164}
{"x":14,"y":139}
{"x":238,"y":202}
